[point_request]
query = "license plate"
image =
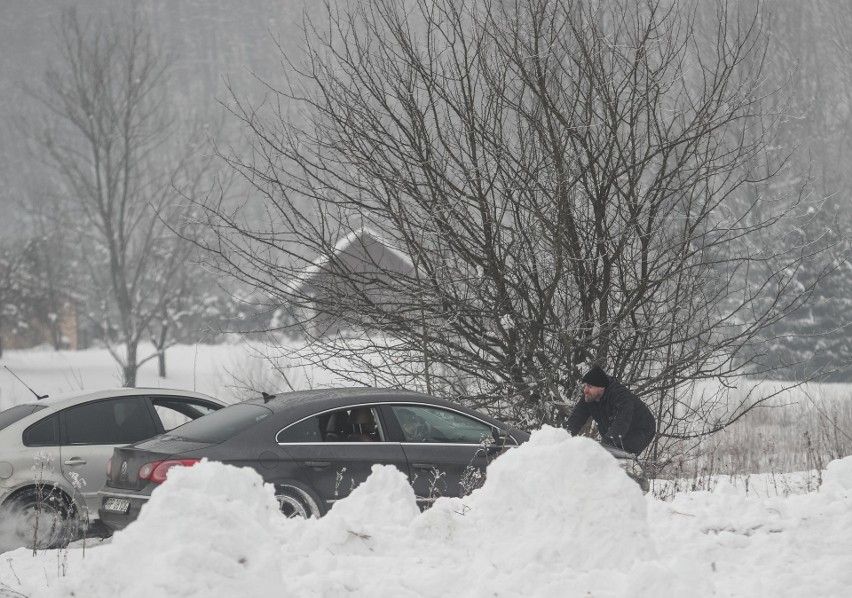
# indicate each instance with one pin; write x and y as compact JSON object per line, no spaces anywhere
{"x":117,"y":505}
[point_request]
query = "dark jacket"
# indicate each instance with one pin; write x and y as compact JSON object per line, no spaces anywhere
{"x":624,"y":421}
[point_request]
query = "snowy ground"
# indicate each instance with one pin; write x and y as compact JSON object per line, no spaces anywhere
{"x":556,"y":517}
{"x":223,"y":371}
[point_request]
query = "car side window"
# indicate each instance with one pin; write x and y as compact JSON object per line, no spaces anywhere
{"x":113,"y":421}
{"x":176,"y":412}
{"x":358,"y":424}
{"x":17,"y":413}
{"x":307,"y":430}
{"x":433,"y":424}
{"x":43,"y":433}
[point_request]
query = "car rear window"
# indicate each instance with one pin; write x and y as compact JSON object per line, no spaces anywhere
{"x":17,"y":413}
{"x":223,"y":424}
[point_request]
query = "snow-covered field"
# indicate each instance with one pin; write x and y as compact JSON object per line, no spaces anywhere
{"x":556,"y":517}
{"x":223,"y":371}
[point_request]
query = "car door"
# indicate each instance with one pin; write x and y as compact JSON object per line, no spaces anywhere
{"x":90,"y":431}
{"x":447,"y":451}
{"x":333,"y":462}
{"x":42,"y":442}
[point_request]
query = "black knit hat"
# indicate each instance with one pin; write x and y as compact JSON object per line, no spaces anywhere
{"x":596,"y":377}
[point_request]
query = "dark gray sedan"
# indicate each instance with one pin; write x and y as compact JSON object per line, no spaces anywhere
{"x":316,"y":446}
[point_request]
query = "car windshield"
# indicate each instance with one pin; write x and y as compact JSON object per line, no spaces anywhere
{"x":223,"y":424}
{"x":17,"y":413}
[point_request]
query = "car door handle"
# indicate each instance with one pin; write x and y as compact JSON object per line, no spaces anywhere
{"x":318,"y":464}
{"x":429,"y":466}
{"x":75,"y":461}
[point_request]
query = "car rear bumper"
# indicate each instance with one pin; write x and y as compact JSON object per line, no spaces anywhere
{"x":117,"y":520}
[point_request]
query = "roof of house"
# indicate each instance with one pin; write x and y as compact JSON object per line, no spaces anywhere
{"x":362,"y":237}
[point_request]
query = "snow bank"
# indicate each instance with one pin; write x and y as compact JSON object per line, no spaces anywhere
{"x":209,"y":531}
{"x":838,"y":478}
{"x":556,"y":517}
{"x":549,"y":512}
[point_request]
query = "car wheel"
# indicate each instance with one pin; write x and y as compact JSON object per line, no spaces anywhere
{"x":296,"y":503}
{"x":41,"y":519}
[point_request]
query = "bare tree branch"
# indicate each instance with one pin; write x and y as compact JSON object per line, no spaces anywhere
{"x":568,"y":181}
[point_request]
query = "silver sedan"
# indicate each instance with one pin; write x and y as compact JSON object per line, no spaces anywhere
{"x":54,"y":452}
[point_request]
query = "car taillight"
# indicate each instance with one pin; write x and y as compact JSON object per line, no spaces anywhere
{"x":158,"y":471}
{"x":145,"y":470}
{"x":109,"y":469}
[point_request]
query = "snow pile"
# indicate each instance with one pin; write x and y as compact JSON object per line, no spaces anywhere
{"x":556,"y":517}
{"x":838,"y":478}
{"x":210,"y":531}
{"x":536,"y":525}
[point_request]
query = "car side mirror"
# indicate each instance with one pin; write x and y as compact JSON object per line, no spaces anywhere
{"x":500,"y":437}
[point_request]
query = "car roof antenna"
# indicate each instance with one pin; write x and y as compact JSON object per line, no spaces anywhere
{"x":25,"y":384}
{"x":267,"y":397}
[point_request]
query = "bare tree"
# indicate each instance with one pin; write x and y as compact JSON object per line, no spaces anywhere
{"x":13,"y":289}
{"x":570,"y":182}
{"x":120,"y":154}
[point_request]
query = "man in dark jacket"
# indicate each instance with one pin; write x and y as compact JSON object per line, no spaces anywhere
{"x":623,"y":420}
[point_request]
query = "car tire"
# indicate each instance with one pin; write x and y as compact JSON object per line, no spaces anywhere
{"x":296,"y":503}
{"x":42,"y":518}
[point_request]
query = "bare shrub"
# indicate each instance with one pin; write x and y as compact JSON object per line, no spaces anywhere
{"x":799,"y":431}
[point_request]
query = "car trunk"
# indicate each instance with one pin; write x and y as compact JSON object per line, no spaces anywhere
{"x":127,"y":461}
